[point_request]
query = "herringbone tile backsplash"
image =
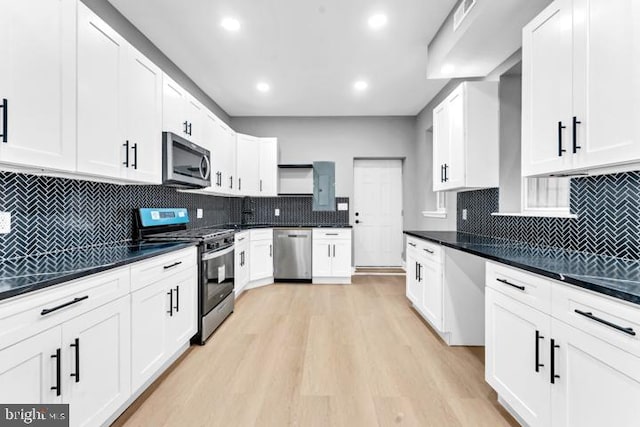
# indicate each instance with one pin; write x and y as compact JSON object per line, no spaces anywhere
{"x":608,"y":223}
{"x":53,"y":214}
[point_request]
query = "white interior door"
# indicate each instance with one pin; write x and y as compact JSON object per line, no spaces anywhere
{"x":378,"y":212}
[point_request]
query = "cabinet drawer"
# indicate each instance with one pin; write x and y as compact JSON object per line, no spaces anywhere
{"x":614,"y":321}
{"x":426,"y":250}
{"x":29,"y":314}
{"x":527,"y":288}
{"x":262,"y":234}
{"x":241,"y":237}
{"x":332,"y":233}
{"x":146,"y":272}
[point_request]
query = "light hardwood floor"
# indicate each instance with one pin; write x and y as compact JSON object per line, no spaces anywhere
{"x":323,"y":355}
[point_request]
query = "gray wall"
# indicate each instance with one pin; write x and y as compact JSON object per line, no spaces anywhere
{"x":340,"y":139}
{"x":510,"y":145}
{"x":126,"y":29}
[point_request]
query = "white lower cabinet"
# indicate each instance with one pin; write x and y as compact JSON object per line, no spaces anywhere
{"x":261,"y":256}
{"x":564,"y":366}
{"x":29,"y":367}
{"x":331,"y":255}
{"x":517,"y":356}
{"x":97,"y":362}
{"x":242,"y":275}
{"x":164,"y":317}
{"x":90,"y":342}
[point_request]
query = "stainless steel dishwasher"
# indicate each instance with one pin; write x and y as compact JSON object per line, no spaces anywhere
{"x":292,"y":254}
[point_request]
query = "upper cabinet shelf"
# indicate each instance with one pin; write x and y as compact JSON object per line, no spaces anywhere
{"x":465,"y":138}
{"x":580,"y":88}
{"x":297,"y":166}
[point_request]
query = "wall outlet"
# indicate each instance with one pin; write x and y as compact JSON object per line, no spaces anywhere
{"x":199,"y":213}
{"x":343,"y":206}
{"x":5,"y":222}
{"x":464,"y":214}
{"x":277,"y":212}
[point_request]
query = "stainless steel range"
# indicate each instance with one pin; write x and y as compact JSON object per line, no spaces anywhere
{"x":215,"y":248}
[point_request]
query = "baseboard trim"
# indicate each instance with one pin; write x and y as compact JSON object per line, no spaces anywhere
{"x":331,"y":280}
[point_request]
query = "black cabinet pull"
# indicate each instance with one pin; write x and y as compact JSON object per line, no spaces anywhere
{"x":329,"y":251}
{"x":190,"y":129}
{"x":239,"y":183}
{"x":177,"y":298}
{"x":589,"y":315}
{"x":416,"y":271}
{"x":538,"y":338}
{"x":330,"y":234}
{"x":428,"y":251}
{"x":576,"y":122}
{"x":170,"y":293}
{"x":441,"y":173}
{"x":5,"y":119}
{"x":135,"y":156}
{"x":46,"y":311}
{"x":412,"y":244}
{"x":126,"y":154}
{"x":420,"y":273}
{"x":560,"y":149}
{"x":261,"y":186}
{"x":186,"y":127}
{"x":506,"y":282}
{"x":58,"y":386}
{"x":270,"y":251}
{"x":76,"y":345}
{"x":334,"y":251}
{"x":166,"y":267}
{"x":231,"y":182}
{"x":552,"y":374}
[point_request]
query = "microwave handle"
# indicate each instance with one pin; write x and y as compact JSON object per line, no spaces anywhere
{"x":208,"y":172}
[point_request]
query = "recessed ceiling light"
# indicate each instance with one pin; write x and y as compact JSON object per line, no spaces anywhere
{"x":263,"y":87}
{"x":230,"y":24}
{"x":377,"y":21}
{"x":360,"y":85}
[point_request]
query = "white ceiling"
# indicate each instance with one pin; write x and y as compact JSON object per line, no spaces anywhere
{"x":309,"y":51}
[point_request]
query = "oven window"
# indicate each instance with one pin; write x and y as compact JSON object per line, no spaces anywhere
{"x":217,"y":280}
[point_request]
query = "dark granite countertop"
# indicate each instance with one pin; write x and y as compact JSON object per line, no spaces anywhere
{"x":252,"y":226}
{"x":616,"y":277}
{"x":22,"y":275}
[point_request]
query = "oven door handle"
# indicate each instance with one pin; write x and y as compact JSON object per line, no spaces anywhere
{"x":215,"y":254}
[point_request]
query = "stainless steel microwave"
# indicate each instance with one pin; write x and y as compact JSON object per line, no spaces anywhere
{"x":184,"y":164}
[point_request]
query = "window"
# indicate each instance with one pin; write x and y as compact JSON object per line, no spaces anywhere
{"x":441,"y":206}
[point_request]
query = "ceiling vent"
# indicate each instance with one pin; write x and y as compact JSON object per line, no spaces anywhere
{"x":461,"y":12}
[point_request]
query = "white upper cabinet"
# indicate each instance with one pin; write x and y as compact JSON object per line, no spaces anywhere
{"x":248,"y":162}
{"x":182,"y":114}
{"x":268,"y":167}
{"x":119,"y":106}
{"x":220,"y":140}
{"x":580,"y":95}
{"x":143,"y":118}
{"x":101,"y":56}
{"x":465,"y":129}
{"x":38,"y":84}
{"x":227,"y":153}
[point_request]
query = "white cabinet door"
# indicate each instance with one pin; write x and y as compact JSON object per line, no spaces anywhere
{"x":149,"y":312}
{"x":261,"y":265}
{"x":268,"y":167}
{"x":321,"y":258}
{"x":441,"y":132}
{"x":241,"y":266}
{"x":455,"y":166}
{"x":547,"y":90}
{"x":183,"y":316}
{"x":28,"y":369}
{"x":212,"y":139}
{"x":414,"y":289}
{"x":606,"y":87}
{"x":229,"y":159}
{"x":195,"y":114}
{"x":597,"y":384}
{"x":101,"y":54}
{"x":142,"y":118}
{"x":341,"y":258}
{"x":38,"y":83}
{"x":432,"y":288}
{"x":516,"y":356}
{"x":174,"y":107}
{"x":248,"y":162}
{"x":97,"y":361}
